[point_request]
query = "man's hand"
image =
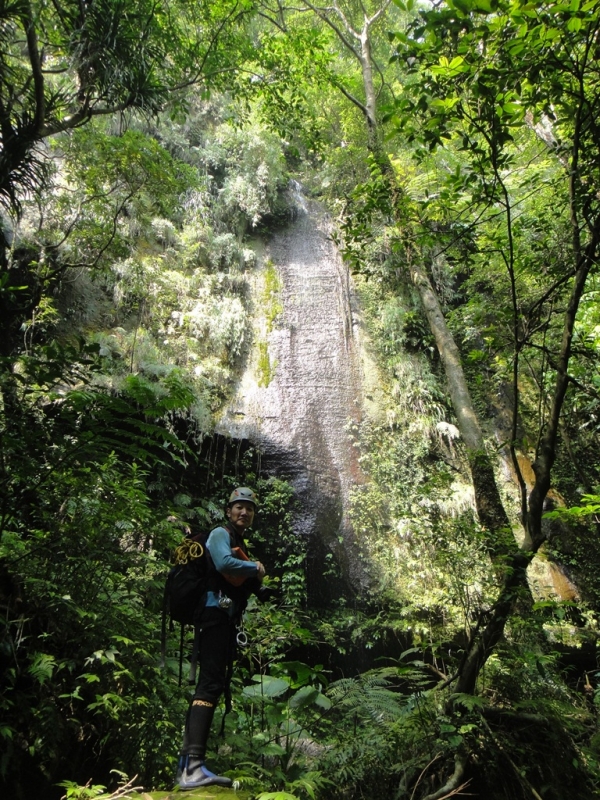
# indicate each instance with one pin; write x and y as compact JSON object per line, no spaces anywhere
{"x":260,"y":571}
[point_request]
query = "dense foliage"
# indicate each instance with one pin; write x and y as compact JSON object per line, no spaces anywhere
{"x":143,"y":147}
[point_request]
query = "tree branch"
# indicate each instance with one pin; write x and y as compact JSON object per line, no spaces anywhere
{"x":233,"y":16}
{"x":546,"y":454}
{"x":36,"y":69}
{"x":80,"y":117}
{"x":452,"y":785}
{"x":323,"y":16}
{"x":353,"y":99}
{"x":347,"y":25}
{"x":273,"y":21}
{"x":378,"y":14}
{"x":556,"y":285}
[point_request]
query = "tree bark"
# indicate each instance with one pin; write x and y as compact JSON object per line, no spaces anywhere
{"x":487,"y":636}
{"x":546,"y":455}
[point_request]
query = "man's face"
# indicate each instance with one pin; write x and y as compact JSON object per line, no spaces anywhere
{"x":241,"y":514}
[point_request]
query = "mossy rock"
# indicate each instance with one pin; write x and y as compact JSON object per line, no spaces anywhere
{"x":208,"y":793}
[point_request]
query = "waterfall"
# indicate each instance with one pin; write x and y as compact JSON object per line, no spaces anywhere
{"x":300,"y":420}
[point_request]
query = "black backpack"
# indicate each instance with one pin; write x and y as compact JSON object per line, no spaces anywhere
{"x":186,"y":587}
{"x":187,"y":581}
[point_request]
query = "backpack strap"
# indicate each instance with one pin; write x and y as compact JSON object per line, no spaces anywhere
{"x":235,"y":539}
{"x":163,"y":626}
{"x":195,"y":653}
{"x":181,"y":637}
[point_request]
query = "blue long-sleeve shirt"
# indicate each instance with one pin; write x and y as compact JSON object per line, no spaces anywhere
{"x":219,"y":547}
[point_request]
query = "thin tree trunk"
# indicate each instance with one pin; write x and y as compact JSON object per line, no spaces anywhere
{"x":542,"y":466}
{"x":487,"y":635}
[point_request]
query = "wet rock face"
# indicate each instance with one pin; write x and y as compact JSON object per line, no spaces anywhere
{"x":300,"y":420}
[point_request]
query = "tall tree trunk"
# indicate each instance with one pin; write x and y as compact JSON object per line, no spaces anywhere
{"x":490,"y":508}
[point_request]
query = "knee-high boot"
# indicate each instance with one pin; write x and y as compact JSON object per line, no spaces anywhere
{"x":192,"y":771}
{"x":197,"y":728}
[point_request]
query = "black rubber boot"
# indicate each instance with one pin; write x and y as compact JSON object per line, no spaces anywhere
{"x":194,"y":773}
{"x":197,"y":728}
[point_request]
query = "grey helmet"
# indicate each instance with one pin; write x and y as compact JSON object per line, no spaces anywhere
{"x":244,"y":494}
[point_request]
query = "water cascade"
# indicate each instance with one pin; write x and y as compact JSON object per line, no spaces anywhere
{"x":299,"y":416}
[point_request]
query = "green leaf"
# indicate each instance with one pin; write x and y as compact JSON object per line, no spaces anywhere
{"x":272,"y":749}
{"x":266,"y":687}
{"x":304,"y":697}
{"x":447,"y":728}
{"x":467,"y":728}
{"x":323,"y":702}
{"x":90,"y":677}
{"x":469,"y":701}
{"x":43,"y":667}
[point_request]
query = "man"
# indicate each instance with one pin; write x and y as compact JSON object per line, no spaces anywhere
{"x":230,"y":584}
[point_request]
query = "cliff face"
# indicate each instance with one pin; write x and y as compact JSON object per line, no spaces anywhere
{"x":298,"y":412}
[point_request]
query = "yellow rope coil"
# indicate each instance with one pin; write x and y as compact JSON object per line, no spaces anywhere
{"x":187,"y":551}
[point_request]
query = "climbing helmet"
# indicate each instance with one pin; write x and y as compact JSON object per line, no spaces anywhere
{"x":244,"y":494}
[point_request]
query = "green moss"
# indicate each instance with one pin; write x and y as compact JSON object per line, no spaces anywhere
{"x":271,"y":308}
{"x":413,"y":518}
{"x":270,"y":297}
{"x":265,"y":370}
